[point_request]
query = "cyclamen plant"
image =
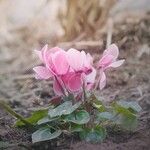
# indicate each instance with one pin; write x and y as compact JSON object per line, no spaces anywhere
{"x":73,"y":72}
{"x":77,"y":109}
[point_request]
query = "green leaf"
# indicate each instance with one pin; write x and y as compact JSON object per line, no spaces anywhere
{"x":63,"y":109}
{"x":75,"y":128}
{"x":80,"y":117}
{"x":34,"y":118}
{"x":97,"y":103}
{"x":44,"y":134}
{"x":120,"y":109}
{"x":130,"y":105}
{"x":46,"y":119}
{"x":97,"y":134}
{"x":126,"y":118}
{"x":103,"y":116}
{"x":128,"y":122}
{"x":100,"y":107}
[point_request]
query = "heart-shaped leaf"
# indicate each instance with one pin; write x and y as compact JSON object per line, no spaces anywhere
{"x":128,"y":122}
{"x":80,"y":117}
{"x":103,"y":116}
{"x":125,"y":118}
{"x":44,"y":134}
{"x":34,"y":118}
{"x":97,"y":134}
{"x":46,"y":119}
{"x":120,"y":109}
{"x":75,"y":128}
{"x":63,"y":109}
{"x":130,"y":105}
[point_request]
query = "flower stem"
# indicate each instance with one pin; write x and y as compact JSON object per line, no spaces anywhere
{"x":60,"y":85}
{"x":84,"y":93}
{"x":97,"y":83}
{"x":13,"y":113}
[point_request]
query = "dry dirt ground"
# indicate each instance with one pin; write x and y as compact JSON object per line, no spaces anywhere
{"x":131,"y":82}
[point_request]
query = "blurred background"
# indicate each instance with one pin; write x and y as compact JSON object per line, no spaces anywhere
{"x":91,"y":25}
{"x":26,"y":25}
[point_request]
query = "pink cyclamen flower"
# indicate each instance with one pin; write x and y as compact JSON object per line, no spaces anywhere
{"x":80,"y":66}
{"x":79,"y":61}
{"x":55,"y":65}
{"x":55,"y":60}
{"x":65,"y":68}
{"x":108,"y":60}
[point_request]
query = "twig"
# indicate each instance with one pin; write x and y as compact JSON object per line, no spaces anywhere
{"x":109,"y":33}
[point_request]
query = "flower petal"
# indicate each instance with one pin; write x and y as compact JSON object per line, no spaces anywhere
{"x":112,"y":50}
{"x":116,"y":63}
{"x":89,"y":58}
{"x":44,"y":52}
{"x":75,"y":59}
{"x":42,"y":72}
{"x":75,"y":83}
{"x":55,"y":49}
{"x":90,"y":78}
{"x":102,"y":82}
{"x":60,"y":63}
{"x":89,"y":86}
{"x":57,"y":88}
{"x":105,"y":61}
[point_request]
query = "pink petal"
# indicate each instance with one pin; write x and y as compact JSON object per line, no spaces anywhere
{"x":89,"y":86}
{"x":75,"y":83}
{"x":117,"y":63}
{"x":57,"y":88}
{"x":49,"y":64}
{"x":75,"y":59}
{"x":83,"y":55}
{"x":105,"y":61}
{"x":48,"y":58}
{"x":89,"y":58}
{"x":60,"y":63}
{"x":102,"y":82}
{"x":42,"y":72}
{"x":44,"y":52}
{"x":112,"y":50}
{"x":90,"y":78}
{"x":55,"y":49}
{"x":41,"y":53}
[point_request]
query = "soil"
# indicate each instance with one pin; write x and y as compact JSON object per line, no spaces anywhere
{"x":129,"y":82}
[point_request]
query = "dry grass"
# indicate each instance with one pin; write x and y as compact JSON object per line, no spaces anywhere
{"x":82,"y":16}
